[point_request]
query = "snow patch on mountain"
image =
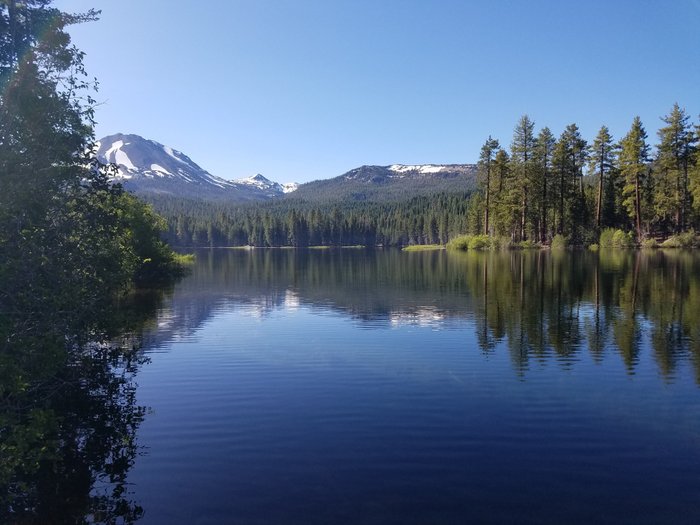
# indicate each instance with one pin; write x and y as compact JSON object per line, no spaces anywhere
{"x":258,"y":181}
{"x":115,"y":147}
{"x":419,"y":168}
{"x":148,"y":166}
{"x":160,"y":169}
{"x":270,"y":188}
{"x":170,"y":151}
{"x":289,"y":187}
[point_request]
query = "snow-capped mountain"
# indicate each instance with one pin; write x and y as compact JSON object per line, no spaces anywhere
{"x":274,"y":189}
{"x":394,"y":182}
{"x":146,"y":166}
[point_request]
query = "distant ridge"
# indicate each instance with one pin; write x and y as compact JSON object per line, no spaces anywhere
{"x":394,"y":182}
{"x":149,"y":168}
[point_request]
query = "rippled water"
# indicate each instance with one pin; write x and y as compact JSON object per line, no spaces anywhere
{"x":352,"y":386}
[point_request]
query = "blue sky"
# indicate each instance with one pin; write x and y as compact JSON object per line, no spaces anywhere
{"x":307,"y":89}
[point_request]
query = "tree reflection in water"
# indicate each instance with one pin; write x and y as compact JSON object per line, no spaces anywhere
{"x":68,"y":419}
{"x":68,"y":410}
{"x":539,"y":305}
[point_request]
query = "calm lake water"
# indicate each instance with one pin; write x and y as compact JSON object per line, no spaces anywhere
{"x":353,"y":386}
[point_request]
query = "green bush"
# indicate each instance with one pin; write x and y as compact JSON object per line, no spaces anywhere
{"x":621,"y":239}
{"x":650,"y":243}
{"x":480,"y":242}
{"x":682,"y":240}
{"x":422,"y":247}
{"x":593,"y":247}
{"x":528,"y":245}
{"x":558,"y":242}
{"x":606,"y":238}
{"x":185,"y":258}
{"x":459,"y":243}
{"x":611,"y":238}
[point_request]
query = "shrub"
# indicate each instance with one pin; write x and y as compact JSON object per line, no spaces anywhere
{"x":682,"y":240}
{"x":459,"y":243}
{"x":606,"y":237}
{"x":650,"y":243}
{"x":480,"y":242}
{"x":422,"y":247}
{"x":185,"y":258}
{"x":558,"y":242}
{"x":501,"y":243}
{"x":593,"y":247}
{"x":621,"y":239}
{"x":611,"y":238}
{"x":528,"y":245}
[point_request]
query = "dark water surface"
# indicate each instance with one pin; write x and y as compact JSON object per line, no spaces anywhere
{"x":352,"y":386}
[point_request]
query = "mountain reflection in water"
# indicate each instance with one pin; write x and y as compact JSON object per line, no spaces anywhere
{"x":541,"y":305}
{"x":374,"y":386}
{"x":380,"y":386}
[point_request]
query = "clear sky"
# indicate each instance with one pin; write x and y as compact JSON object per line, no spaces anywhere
{"x":307,"y":89}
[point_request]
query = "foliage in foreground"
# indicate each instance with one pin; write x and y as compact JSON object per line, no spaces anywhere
{"x":70,"y":242}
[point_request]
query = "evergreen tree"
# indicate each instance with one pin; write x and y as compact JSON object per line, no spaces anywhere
{"x":634,"y":155}
{"x":569,"y":157}
{"x":506,"y":196}
{"x":675,"y":151}
{"x":602,"y":162}
{"x":544,"y":149}
{"x":694,"y":176}
{"x":522,"y":160}
{"x":488,"y":151}
{"x":562,"y":182}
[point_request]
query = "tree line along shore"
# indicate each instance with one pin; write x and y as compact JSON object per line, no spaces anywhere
{"x":540,"y":191}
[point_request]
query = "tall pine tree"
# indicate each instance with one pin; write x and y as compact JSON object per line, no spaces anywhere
{"x":522,"y":150}
{"x":602,"y":163}
{"x":634,"y":157}
{"x":675,"y":151}
{"x":488,"y":152}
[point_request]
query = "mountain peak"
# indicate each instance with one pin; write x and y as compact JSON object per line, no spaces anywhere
{"x":147,"y":166}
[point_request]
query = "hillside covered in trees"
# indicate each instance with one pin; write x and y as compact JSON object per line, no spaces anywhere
{"x":538,"y":187}
{"x":292,"y":222}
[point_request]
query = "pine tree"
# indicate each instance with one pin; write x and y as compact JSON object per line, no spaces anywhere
{"x":634,"y":155}
{"x":675,"y":151}
{"x":506,"y":195}
{"x":522,"y":160}
{"x":694,"y":175}
{"x":602,"y":161}
{"x":488,"y":151}
{"x":569,"y":157}
{"x":544,"y":149}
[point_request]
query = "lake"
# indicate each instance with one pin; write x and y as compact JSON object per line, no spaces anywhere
{"x":379,"y":386}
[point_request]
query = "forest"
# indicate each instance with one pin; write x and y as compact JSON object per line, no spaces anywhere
{"x":290,"y":222}
{"x":547,"y":186}
{"x":537,"y":188}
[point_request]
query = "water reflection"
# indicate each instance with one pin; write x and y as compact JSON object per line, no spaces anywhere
{"x":69,"y":418}
{"x":539,"y":305}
